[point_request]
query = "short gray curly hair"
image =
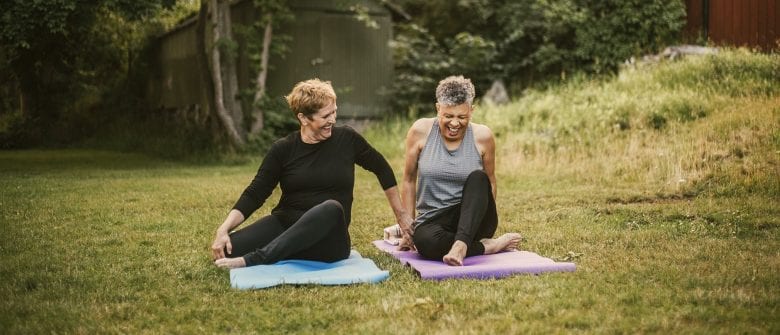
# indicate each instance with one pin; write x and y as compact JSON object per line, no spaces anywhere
{"x":455,"y":90}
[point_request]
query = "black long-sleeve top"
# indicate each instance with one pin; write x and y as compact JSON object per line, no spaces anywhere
{"x":309,"y":174}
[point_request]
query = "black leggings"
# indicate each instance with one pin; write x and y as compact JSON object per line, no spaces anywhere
{"x":473,"y":219}
{"x":319,"y":235}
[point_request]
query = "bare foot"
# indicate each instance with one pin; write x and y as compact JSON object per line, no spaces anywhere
{"x":506,"y":242}
{"x":456,"y":254}
{"x":230,"y":263}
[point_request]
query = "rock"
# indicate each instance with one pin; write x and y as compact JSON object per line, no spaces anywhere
{"x":672,"y":53}
{"x":496,"y":95}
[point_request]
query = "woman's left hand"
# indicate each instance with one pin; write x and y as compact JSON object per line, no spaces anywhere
{"x":402,"y":217}
{"x":230,"y":263}
{"x":407,"y":231}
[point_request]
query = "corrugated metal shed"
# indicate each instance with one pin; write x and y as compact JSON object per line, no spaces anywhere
{"x":328,"y":42}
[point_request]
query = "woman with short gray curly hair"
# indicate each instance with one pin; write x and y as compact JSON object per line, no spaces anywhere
{"x":449,"y":179}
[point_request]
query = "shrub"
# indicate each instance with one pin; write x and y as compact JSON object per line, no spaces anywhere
{"x":523,"y":42}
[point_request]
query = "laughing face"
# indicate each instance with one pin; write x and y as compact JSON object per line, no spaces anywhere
{"x":453,"y":120}
{"x":320,"y":126}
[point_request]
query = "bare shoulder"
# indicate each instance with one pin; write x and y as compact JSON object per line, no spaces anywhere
{"x":423,"y":124}
{"x":482,"y":133}
{"x":420,"y":129}
{"x":484,"y":138}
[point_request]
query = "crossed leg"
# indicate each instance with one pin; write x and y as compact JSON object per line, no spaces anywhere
{"x":320,"y":235}
{"x":466,"y":229}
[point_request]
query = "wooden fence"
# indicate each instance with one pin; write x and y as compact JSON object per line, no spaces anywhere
{"x":751,"y":23}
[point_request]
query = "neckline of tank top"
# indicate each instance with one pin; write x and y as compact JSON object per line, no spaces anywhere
{"x":443,"y":140}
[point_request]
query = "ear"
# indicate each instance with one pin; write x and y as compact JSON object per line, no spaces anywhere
{"x":301,"y":118}
{"x":437,"y":108}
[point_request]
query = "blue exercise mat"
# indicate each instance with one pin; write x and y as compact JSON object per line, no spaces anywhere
{"x":352,"y":270}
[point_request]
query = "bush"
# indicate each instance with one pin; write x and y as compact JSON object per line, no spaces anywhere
{"x":614,"y":30}
{"x":523,"y":42}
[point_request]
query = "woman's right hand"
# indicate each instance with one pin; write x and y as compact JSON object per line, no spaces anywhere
{"x":221,"y":242}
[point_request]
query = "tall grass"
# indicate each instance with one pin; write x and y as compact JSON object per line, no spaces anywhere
{"x":671,"y":126}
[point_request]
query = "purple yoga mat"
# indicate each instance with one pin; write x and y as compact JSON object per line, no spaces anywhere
{"x":485,"y":266}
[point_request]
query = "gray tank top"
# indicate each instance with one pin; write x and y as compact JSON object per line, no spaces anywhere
{"x":441,"y":173}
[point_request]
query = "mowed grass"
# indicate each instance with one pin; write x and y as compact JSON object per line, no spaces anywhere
{"x":661,"y":184}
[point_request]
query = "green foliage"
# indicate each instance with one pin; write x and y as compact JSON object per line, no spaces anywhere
{"x":276,"y":119}
{"x":419,"y":60}
{"x":276,"y":12}
{"x":523,"y":42}
{"x":60,"y":57}
{"x":192,"y":134}
{"x":278,"y":122}
{"x":362,"y":14}
{"x":422,"y":61}
{"x":614,"y":30}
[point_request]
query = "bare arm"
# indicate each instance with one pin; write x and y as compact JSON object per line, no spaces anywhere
{"x":252,"y":198}
{"x":487,"y":146}
{"x":414,"y":144}
{"x":411,"y":155}
{"x":402,"y":216}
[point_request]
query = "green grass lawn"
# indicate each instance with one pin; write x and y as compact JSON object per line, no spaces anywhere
{"x":673,"y":225}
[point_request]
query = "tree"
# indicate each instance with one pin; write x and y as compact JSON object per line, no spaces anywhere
{"x":55,"y":55}
{"x":220,"y":20}
{"x":222,"y":83}
{"x":273,"y":14}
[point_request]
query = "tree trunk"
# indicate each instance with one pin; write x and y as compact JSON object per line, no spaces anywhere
{"x":216,"y":75}
{"x":22,"y":104}
{"x":230,"y":93}
{"x":201,"y":55}
{"x":257,"y":125}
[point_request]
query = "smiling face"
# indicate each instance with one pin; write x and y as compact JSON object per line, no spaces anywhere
{"x":319,"y":126}
{"x":453,"y":120}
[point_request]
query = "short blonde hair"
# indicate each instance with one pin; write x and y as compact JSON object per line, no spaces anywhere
{"x":309,"y":96}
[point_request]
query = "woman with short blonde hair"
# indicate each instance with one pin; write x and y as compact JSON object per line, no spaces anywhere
{"x":314,"y":167}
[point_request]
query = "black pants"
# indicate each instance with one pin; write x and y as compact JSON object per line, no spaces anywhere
{"x":473,"y":219}
{"x":319,"y":235}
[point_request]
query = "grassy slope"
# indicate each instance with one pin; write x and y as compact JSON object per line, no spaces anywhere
{"x":676,"y":222}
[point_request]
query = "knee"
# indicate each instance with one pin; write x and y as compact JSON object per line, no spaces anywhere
{"x":332,"y":207}
{"x":478,"y":175}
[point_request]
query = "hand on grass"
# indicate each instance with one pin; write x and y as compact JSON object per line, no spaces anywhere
{"x":230,"y":263}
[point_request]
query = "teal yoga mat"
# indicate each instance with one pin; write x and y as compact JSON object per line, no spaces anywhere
{"x":352,"y":270}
